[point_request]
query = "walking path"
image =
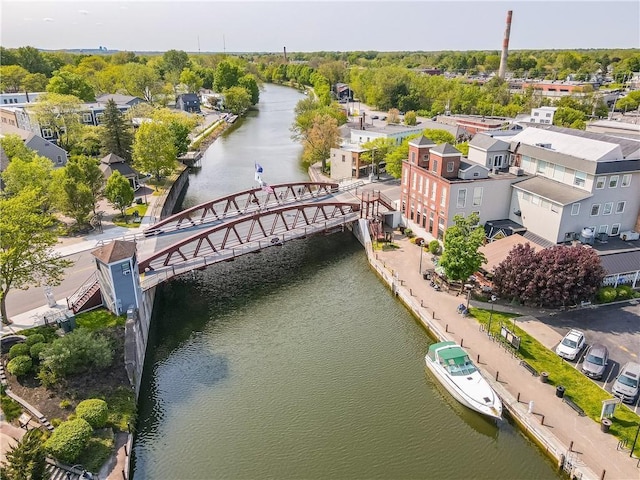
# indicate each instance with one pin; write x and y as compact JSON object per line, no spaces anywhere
{"x":578,"y":440}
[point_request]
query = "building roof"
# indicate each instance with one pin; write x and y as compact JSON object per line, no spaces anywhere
{"x":551,"y":190}
{"x":112,"y":158}
{"x":632,"y":127}
{"x":621,"y":262}
{"x":445,"y":149}
{"x":118,"y":98}
{"x":115,"y":251}
{"x":6,"y":129}
{"x":422,"y":141}
{"x":497,"y":251}
{"x":486,"y":142}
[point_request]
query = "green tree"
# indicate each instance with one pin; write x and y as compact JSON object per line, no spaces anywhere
{"x":410,"y":118}
{"x":439,"y":136}
{"x":141,"y":81}
{"x":34,"y":61}
{"x":181,"y":124}
{"x":87,"y":141}
{"x":154,"y":149}
{"x":85,"y":171}
{"x":117,"y":134}
{"x":14,"y":147}
{"x":119,"y":192}
{"x":27,"y":459}
{"x":71,"y":198}
{"x":26,"y":239}
{"x":395,"y":157}
{"x":59,"y":113}
{"x":570,"y":117}
{"x":69,"y":83}
{"x":34,"y":82}
{"x":237,"y":99}
{"x":226,"y":76}
{"x":191,"y":80}
{"x":11,"y":77}
{"x":250,"y":83}
{"x":175,"y":61}
{"x":34,"y":173}
{"x":378,"y":148}
{"x":462,"y":240}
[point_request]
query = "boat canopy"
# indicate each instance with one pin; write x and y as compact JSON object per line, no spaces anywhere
{"x":452,"y":357}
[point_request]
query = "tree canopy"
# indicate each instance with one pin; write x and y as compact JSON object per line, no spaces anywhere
{"x":461,"y":257}
{"x":116,"y":133}
{"x":154,"y":149}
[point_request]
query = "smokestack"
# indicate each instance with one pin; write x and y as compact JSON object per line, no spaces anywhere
{"x":505,"y":46}
{"x":285,"y":54}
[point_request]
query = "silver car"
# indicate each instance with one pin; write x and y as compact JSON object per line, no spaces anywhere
{"x":626,"y":385}
{"x":595,"y":361}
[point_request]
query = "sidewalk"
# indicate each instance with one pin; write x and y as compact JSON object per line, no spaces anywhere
{"x":553,"y":423}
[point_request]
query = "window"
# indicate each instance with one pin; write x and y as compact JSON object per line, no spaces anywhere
{"x":554,"y":208}
{"x":126,"y":268}
{"x":497,"y":161}
{"x":626,"y":180}
{"x":99,"y":117}
{"x":443,"y":197}
{"x":613,"y":181}
{"x":615,"y":229}
{"x":575,"y":209}
{"x":542,"y":167}
{"x":526,"y":196}
{"x":595,"y":209}
{"x":413,"y":157}
{"x":608,"y":208}
{"x":413,"y":181}
{"x":535,"y":114}
{"x":600,"y":181}
{"x":558,"y":172}
{"x":86,"y":118}
{"x":433,"y":191}
{"x":620,"y":207}
{"x":580,"y":179}
{"x":405,"y":177}
{"x":535,"y":200}
{"x":477,"y":196}
{"x":59,"y":159}
{"x":420,"y":185}
{"x":344,"y":158}
{"x":449,"y":167}
{"x":547,"y":115}
{"x":462,"y":198}
{"x":603,"y":229}
{"x":47,"y":133}
{"x":434,"y":167}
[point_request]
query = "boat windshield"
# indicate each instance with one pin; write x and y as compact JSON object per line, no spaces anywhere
{"x":460,"y":368}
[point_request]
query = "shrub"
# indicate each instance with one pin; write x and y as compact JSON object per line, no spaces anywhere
{"x":20,"y":365}
{"x":68,"y":440}
{"x":607,"y":294}
{"x":10,"y":407}
{"x":76,"y":352}
{"x":48,"y":332}
{"x":36,"y":349}
{"x":64,"y":404}
{"x":434,"y":247}
{"x":56,"y":422}
{"x":623,"y":292}
{"x":418,"y":241}
{"x":18,"y":350}
{"x":94,"y":411}
{"x":35,"y":338}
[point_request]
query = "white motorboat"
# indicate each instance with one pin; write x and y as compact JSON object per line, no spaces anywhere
{"x":451,"y":365}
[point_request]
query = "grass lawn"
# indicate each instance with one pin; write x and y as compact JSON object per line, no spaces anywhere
{"x":384,"y":246}
{"x":100,"y":318}
{"x":129,"y":223}
{"x":583,"y":391}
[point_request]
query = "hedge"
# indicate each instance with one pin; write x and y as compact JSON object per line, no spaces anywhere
{"x":18,"y":350}
{"x":20,"y":365}
{"x":69,"y":439}
{"x":94,"y":411}
{"x":36,"y":349}
{"x":35,"y":338}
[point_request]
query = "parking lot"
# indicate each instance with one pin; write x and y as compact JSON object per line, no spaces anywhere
{"x":615,"y":326}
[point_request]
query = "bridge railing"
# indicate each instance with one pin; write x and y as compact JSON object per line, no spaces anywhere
{"x":152,"y":278}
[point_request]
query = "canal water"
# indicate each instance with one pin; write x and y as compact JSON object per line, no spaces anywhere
{"x":297,"y":362}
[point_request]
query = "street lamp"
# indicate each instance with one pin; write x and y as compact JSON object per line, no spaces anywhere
{"x":492,"y":301}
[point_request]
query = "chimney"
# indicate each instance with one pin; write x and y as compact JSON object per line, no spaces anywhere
{"x":285,"y":54}
{"x":505,"y":47}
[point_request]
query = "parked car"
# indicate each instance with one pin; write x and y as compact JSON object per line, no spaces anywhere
{"x":384,"y":117}
{"x":595,"y":361}
{"x":571,"y":344}
{"x":374,"y":117}
{"x":625,"y":386}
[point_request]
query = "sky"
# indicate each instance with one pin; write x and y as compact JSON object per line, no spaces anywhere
{"x":308,"y":26}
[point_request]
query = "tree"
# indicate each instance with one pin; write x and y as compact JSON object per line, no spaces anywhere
{"x":11,"y":77}
{"x":34,"y":82}
{"x":59,"y":113}
{"x":71,"y":198}
{"x":395,"y":157}
{"x":117,"y":134}
{"x":410,"y":118}
{"x":439,"y":136}
{"x":378,"y":148}
{"x":321,"y":138}
{"x":154,"y":149}
{"x":26,"y":239}
{"x":226,"y":76}
{"x":181,"y":124}
{"x":175,"y":61}
{"x":33,"y":173}
{"x":27,"y":459}
{"x":119,"y":192}
{"x":250,"y":83}
{"x":14,"y":147}
{"x":461,"y":257}
{"x":69,"y":83}
{"x":570,"y":117}
{"x":237,"y":99}
{"x":513,"y":277}
{"x":85,"y":171}
{"x":33,"y":60}
{"x":191,"y":80}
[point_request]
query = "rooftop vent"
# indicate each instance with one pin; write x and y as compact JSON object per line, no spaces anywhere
{"x":543,"y":145}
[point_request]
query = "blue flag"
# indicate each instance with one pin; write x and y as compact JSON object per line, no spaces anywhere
{"x":258,"y":168}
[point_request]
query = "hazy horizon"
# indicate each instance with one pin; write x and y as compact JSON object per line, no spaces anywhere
{"x":269,"y":27}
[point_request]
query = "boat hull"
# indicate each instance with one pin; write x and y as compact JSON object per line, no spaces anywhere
{"x":492,"y":409}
